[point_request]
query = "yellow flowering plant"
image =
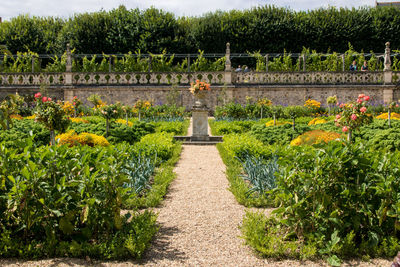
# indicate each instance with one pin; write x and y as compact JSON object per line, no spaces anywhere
{"x":315,"y":137}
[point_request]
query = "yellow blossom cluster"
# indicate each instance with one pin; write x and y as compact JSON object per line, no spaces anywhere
{"x":385,"y":116}
{"x":31,"y":117}
{"x":130,"y":124}
{"x":271,"y":123}
{"x":68,"y":108}
{"x":78,"y":120}
{"x":100,"y":104}
{"x":313,"y":104}
{"x":16,"y":117}
{"x":71,"y":138}
{"x":315,"y":137}
{"x":317,"y":121}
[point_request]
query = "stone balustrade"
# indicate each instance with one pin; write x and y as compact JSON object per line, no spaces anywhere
{"x":145,"y":78}
{"x":318,"y":77}
{"x":31,"y":79}
{"x":214,"y":78}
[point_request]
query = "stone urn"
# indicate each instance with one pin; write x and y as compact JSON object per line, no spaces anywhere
{"x":200,"y":100}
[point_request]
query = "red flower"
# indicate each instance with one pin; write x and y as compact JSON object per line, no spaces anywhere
{"x":38,"y":95}
{"x":345,"y":129}
{"x":361,"y":96}
{"x":366,"y":98}
{"x":353,"y":117}
{"x":363,"y":109}
{"x":338,"y":116}
{"x":44,"y":99}
{"x":49,"y":99}
{"x":359,"y":100}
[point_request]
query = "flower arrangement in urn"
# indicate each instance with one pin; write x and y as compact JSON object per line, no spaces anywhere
{"x":199,"y":90}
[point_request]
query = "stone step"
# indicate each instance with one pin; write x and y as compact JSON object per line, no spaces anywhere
{"x":200,"y":143}
{"x":199,"y":139}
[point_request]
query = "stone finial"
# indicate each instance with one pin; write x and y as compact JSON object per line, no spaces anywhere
{"x":228,"y":57}
{"x":69,"y":59}
{"x":387,"y":60}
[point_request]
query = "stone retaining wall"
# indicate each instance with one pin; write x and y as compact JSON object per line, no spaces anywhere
{"x":279,"y":94}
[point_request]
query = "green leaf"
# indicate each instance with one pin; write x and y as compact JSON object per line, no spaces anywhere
{"x":66,"y":226}
{"x":334,"y":261}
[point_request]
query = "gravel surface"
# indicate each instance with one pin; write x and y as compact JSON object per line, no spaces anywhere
{"x":199,"y":222}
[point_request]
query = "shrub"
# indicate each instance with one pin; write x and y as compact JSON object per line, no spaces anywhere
{"x":21,"y":130}
{"x":159,"y":145}
{"x":228,"y":127}
{"x":385,"y":116}
{"x":282,"y":134}
{"x":118,"y":132}
{"x":317,"y":121}
{"x":121,"y":121}
{"x":78,"y":120}
{"x":241,"y":145}
{"x":277,"y":123}
{"x":334,"y":196}
{"x":71,"y":138}
{"x":315,"y":137}
{"x":176,"y":127}
{"x":66,"y":201}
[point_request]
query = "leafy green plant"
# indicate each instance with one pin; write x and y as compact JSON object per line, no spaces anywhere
{"x":260,"y":174}
{"x":139,"y":170}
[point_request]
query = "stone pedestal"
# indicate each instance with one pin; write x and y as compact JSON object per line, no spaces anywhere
{"x":200,"y":124}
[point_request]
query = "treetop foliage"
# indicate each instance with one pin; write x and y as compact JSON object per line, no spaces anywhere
{"x":265,"y":28}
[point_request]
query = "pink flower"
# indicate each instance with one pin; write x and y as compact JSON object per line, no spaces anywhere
{"x":353,"y":117}
{"x":341,"y":105}
{"x":397,"y":105}
{"x":359,"y":100}
{"x":363,"y":109}
{"x":337,"y":124}
{"x":44,"y":99}
{"x":366,"y":98}
{"x":361,"y":96}
{"x":49,"y":99}
{"x":338,"y":116}
{"x":345,"y":129}
{"x":38,"y":95}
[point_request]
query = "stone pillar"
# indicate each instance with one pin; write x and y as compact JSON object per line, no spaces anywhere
{"x":388,"y":95}
{"x":68,"y":94}
{"x":343,"y":63}
{"x":33,"y":64}
{"x":387,"y":71}
{"x":68,"y":67}
{"x":228,"y":67}
{"x":200,"y":124}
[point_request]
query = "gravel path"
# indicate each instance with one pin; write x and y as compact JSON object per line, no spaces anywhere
{"x":199,"y":222}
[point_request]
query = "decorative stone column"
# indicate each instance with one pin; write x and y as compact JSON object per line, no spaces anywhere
{"x":228,"y":67}
{"x":68,"y":92}
{"x":387,"y":76}
{"x":68,"y":67}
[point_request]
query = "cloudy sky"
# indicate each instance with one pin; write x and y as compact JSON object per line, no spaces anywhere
{"x":66,"y":8}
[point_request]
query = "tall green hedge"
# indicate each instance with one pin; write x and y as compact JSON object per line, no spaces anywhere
{"x":264,"y":28}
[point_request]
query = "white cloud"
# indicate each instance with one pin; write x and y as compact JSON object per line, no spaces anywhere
{"x":12,"y":8}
